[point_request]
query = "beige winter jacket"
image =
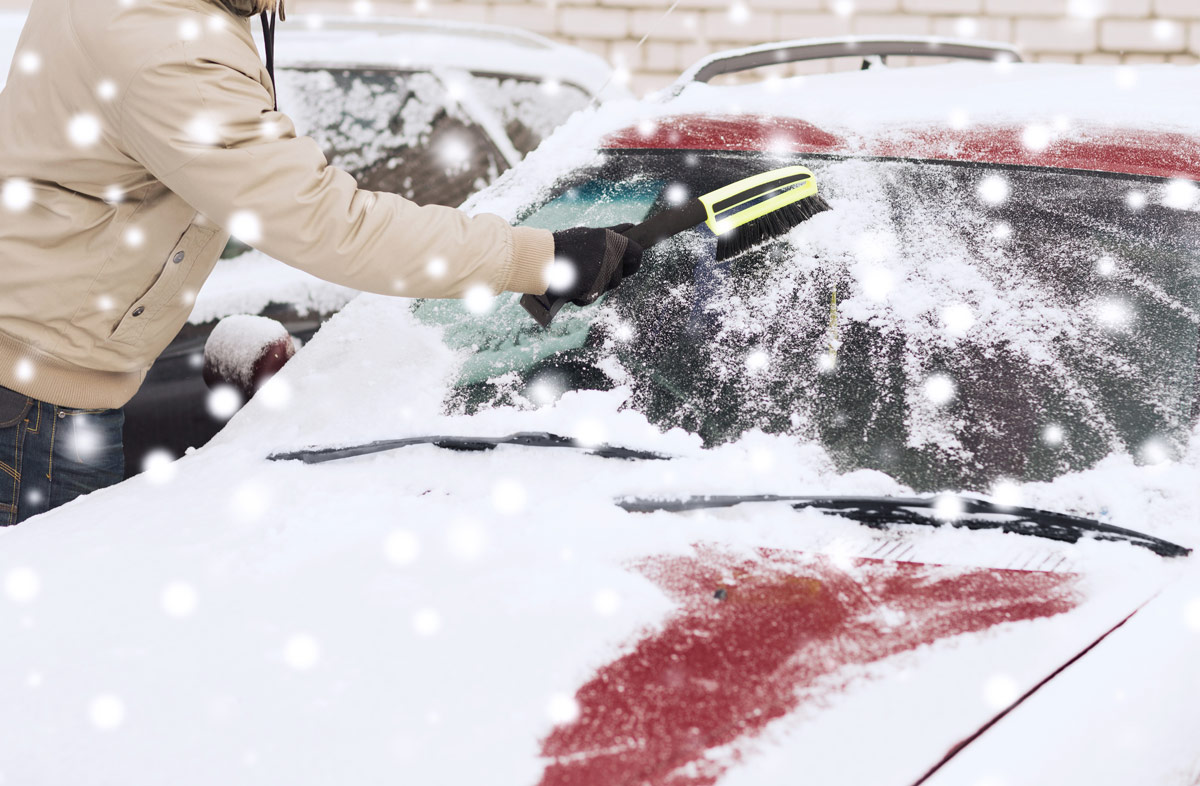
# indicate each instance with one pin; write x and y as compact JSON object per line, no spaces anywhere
{"x":133,"y":135}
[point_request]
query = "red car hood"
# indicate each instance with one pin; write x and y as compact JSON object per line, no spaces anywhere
{"x":783,"y":664}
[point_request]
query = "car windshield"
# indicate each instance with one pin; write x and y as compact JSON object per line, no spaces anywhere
{"x":952,"y":325}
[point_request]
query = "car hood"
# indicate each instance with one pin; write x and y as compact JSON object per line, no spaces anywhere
{"x":494,"y":617}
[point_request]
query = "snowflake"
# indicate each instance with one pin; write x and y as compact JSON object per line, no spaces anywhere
{"x":22,"y":585}
{"x":1006,"y":493}
{"x":189,"y":30}
{"x":959,"y":119}
{"x":203,"y":130}
{"x":994,"y":190}
{"x":947,"y":507}
{"x":1105,"y":266}
{"x":84,"y":130}
{"x":436,"y":267}
{"x":1000,"y":691}
{"x":843,"y":7}
{"x":1113,"y":314}
{"x":159,"y":466}
{"x":877,"y":282}
{"x":24,"y":370}
{"x":966,"y":27}
{"x":467,"y":540}
{"x":1181,"y":195}
{"x":1053,"y":435}
{"x":302,"y":651}
{"x":1036,"y":137}
{"x":508,"y":497}
{"x":134,"y":237}
{"x":739,"y":13}
{"x":562,"y":708}
{"x":676,"y":193}
{"x":480,"y":299}
{"x":29,"y":62}
{"x":560,"y":275}
{"x":1154,"y":451}
{"x":402,"y":547}
{"x":1136,"y":200}
{"x":17,"y":194}
{"x":757,"y":360}
{"x":939,"y":389}
{"x":958,"y":319}
{"x":246,"y":226}
{"x":427,"y":622}
{"x":179,"y":599}
{"x":606,"y":602}
{"x":362,"y":7}
{"x":589,"y":432}
{"x":107,"y":712}
{"x":223,"y":401}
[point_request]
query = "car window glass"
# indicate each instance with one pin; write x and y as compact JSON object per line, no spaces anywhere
{"x":529,"y":109}
{"x":951,"y":325}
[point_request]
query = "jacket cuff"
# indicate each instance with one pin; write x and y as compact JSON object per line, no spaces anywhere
{"x":532,"y":254}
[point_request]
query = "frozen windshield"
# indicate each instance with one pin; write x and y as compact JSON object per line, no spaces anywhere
{"x":950,"y":325}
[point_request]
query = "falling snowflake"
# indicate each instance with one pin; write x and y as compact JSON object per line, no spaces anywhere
{"x":560,"y":275}
{"x":179,"y":599}
{"x":1083,"y":9}
{"x":562,"y":708}
{"x":739,"y":13}
{"x":1000,"y":691}
{"x":427,"y":622}
{"x":1113,"y":314}
{"x":959,"y":119}
{"x":223,"y":402}
{"x":107,"y":712}
{"x":757,"y":360}
{"x":250,"y":502}
{"x":1036,"y":137}
{"x":939,"y":389}
{"x":246,"y":226}
{"x":508,"y":497}
{"x":1053,"y":435}
{"x":965,"y":27}
{"x":947,"y":507}
{"x":1006,"y":493}
{"x":1181,"y":195}
{"x":551,"y":86}
{"x":994,"y":190}
{"x":22,"y":585}
{"x":134,"y":237}
{"x":958,"y":319}
{"x":589,"y":432}
{"x":480,"y":299}
{"x":362,"y":7}
{"x":17,"y":194}
{"x":24,"y":370}
{"x":203,"y":130}
{"x":189,"y":30}
{"x":606,"y":602}
{"x":1136,"y":200}
{"x":84,"y":439}
{"x":467,"y":540}
{"x":436,"y":267}
{"x":84,"y":130}
{"x":302,"y":651}
{"x":1154,"y":451}
{"x":843,"y":7}
{"x":1105,"y":266}
{"x":877,"y":282}
{"x":676,"y":193}
{"x":402,"y":547}
{"x":159,"y":466}
{"x":29,"y":62}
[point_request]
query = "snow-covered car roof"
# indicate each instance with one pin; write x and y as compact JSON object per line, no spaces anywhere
{"x":425,"y":44}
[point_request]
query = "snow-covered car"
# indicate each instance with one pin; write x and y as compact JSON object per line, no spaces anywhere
{"x":903,"y":497}
{"x":433,"y":111}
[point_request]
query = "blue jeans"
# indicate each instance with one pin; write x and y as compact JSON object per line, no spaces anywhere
{"x":50,"y":455}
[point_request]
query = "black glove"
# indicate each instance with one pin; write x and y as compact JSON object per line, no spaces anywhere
{"x":601,"y":259}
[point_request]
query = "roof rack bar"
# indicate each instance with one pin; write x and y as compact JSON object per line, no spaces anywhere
{"x":735,"y":60}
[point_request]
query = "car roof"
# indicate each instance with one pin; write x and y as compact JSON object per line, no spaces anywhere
{"x":414,"y":43}
{"x":1101,"y":118}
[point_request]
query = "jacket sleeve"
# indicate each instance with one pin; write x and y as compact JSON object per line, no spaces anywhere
{"x":199,"y":119}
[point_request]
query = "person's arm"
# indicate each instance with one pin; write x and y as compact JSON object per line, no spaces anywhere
{"x":196,"y":119}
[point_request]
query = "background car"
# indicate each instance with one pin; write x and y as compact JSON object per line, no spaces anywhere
{"x":945,"y":554}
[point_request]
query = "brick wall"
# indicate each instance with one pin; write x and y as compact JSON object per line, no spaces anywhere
{"x":1075,"y":31}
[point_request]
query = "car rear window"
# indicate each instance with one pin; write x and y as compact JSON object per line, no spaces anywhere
{"x":951,"y":325}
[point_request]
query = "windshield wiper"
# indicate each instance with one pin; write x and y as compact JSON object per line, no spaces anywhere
{"x":881,"y":512}
{"x":530,"y":439}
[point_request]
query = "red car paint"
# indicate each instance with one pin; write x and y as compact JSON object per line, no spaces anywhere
{"x":1124,"y":151}
{"x":721,"y":669}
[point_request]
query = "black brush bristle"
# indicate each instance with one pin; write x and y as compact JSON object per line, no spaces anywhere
{"x":775,"y":224}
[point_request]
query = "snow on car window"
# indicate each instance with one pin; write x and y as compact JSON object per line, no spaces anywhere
{"x":950,"y":325}
{"x":529,"y":110}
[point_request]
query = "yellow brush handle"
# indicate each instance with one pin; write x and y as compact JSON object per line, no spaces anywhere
{"x":802,"y":189}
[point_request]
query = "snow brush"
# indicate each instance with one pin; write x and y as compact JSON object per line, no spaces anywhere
{"x":743,"y":215}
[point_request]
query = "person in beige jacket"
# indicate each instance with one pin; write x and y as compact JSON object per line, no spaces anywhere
{"x":134,"y":135}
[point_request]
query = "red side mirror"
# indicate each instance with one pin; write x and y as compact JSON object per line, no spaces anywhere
{"x":245,"y":351}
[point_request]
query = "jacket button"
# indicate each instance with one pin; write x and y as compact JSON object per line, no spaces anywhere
{"x":137,"y":312}
{"x":178,"y":258}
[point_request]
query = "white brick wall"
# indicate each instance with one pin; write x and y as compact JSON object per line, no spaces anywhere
{"x":1078,"y":31}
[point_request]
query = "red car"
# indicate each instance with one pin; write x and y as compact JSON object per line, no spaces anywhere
{"x":906,"y":496}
